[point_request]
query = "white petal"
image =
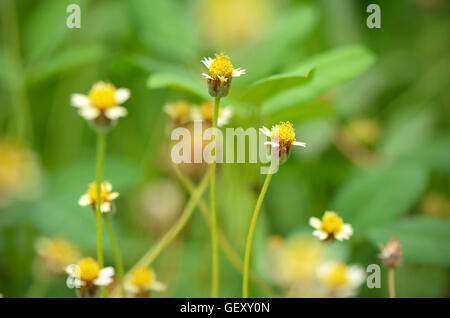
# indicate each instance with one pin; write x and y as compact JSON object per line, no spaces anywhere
{"x":356,"y":275}
{"x":106,"y":272}
{"x":238,"y":72}
{"x":266,"y":131}
{"x":273,"y":144}
{"x":223,"y":79}
{"x":107,"y":186}
{"x":158,"y":286}
{"x":315,"y":222}
{"x":89,"y":113}
{"x":122,"y":95}
{"x":207,"y":61}
{"x":105,"y":207}
{"x":79,"y":100}
{"x":207,"y":76}
{"x":320,"y":234}
{"x":113,"y":196}
{"x":116,"y":112}
{"x":345,"y":232}
{"x":73,"y":270}
{"x":103,"y":281}
{"x":85,"y":200}
{"x":298,"y":143}
{"x":195,"y":114}
{"x":131,"y":288}
{"x":224,"y":117}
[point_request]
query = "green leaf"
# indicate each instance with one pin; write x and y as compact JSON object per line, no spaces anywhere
{"x":424,"y":240}
{"x":330,"y":69}
{"x":185,"y":83}
{"x":69,"y":59}
{"x":272,"y":85}
{"x":379,"y":196}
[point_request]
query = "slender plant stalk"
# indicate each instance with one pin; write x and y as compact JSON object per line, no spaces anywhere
{"x":100,"y":158}
{"x":250,"y":235}
{"x":153,"y":253}
{"x":224,"y":244}
{"x":215,"y":252}
{"x":116,"y":252}
{"x":391,"y":283}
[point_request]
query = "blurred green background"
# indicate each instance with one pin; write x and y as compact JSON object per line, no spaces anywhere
{"x":375,"y":116}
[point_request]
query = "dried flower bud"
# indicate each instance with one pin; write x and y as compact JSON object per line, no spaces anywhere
{"x":391,"y":253}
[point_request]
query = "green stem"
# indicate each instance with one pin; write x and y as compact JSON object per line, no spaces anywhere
{"x":153,"y":253}
{"x":116,"y":252}
{"x":215,"y":252}
{"x":391,"y":282}
{"x":100,"y":158}
{"x":224,"y":244}
{"x":250,"y":235}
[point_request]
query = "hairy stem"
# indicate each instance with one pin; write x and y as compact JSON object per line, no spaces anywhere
{"x":116,"y":252}
{"x":251,"y":231}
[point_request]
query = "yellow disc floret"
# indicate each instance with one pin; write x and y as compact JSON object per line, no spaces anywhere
{"x":104,"y":193}
{"x":221,"y":66}
{"x":331,"y":222}
{"x":89,"y":269}
{"x":337,"y":276}
{"x":286,"y":133}
{"x":142,"y":277}
{"x":103,"y":95}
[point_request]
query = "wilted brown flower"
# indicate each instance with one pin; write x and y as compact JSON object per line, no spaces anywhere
{"x":391,"y":253}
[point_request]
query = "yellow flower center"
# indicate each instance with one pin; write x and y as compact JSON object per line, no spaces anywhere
{"x":104,"y":194}
{"x":331,"y":223}
{"x":88,"y":269}
{"x":103,"y":95}
{"x":337,"y":276}
{"x":181,"y":110}
{"x":285,"y":133}
{"x":221,"y":66}
{"x":142,"y":277}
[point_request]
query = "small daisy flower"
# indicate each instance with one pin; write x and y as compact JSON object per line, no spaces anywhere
{"x":102,"y":104}
{"x":220,"y":74}
{"x":341,"y":280}
{"x":179,"y":112}
{"x":282,"y":138}
{"x":206,"y":113}
{"x":86,"y":275}
{"x":56,"y":254}
{"x":107,"y":197}
{"x":331,"y":227}
{"x":141,"y":281}
{"x":391,"y":253}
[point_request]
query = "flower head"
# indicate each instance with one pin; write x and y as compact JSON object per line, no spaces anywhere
{"x":206,"y":113}
{"x":391,"y":253}
{"x":220,"y":74}
{"x":87,"y":273}
{"x":106,"y":196}
{"x":282,"y":137}
{"x":19,"y":172}
{"x":56,"y":254}
{"x":340,"y":279}
{"x":331,"y":227}
{"x":179,"y":112}
{"x":102,"y":104}
{"x":141,"y":281}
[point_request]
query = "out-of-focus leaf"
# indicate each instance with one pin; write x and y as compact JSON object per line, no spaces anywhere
{"x":272,"y":85}
{"x":46,"y":29}
{"x":377,"y":197}
{"x":164,"y":27}
{"x":407,"y":132}
{"x":330,"y":69}
{"x":424,"y":240}
{"x":271,"y":52}
{"x":69,"y":59}
{"x":185,"y":83}
{"x":301,"y":113}
{"x":318,"y":134}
